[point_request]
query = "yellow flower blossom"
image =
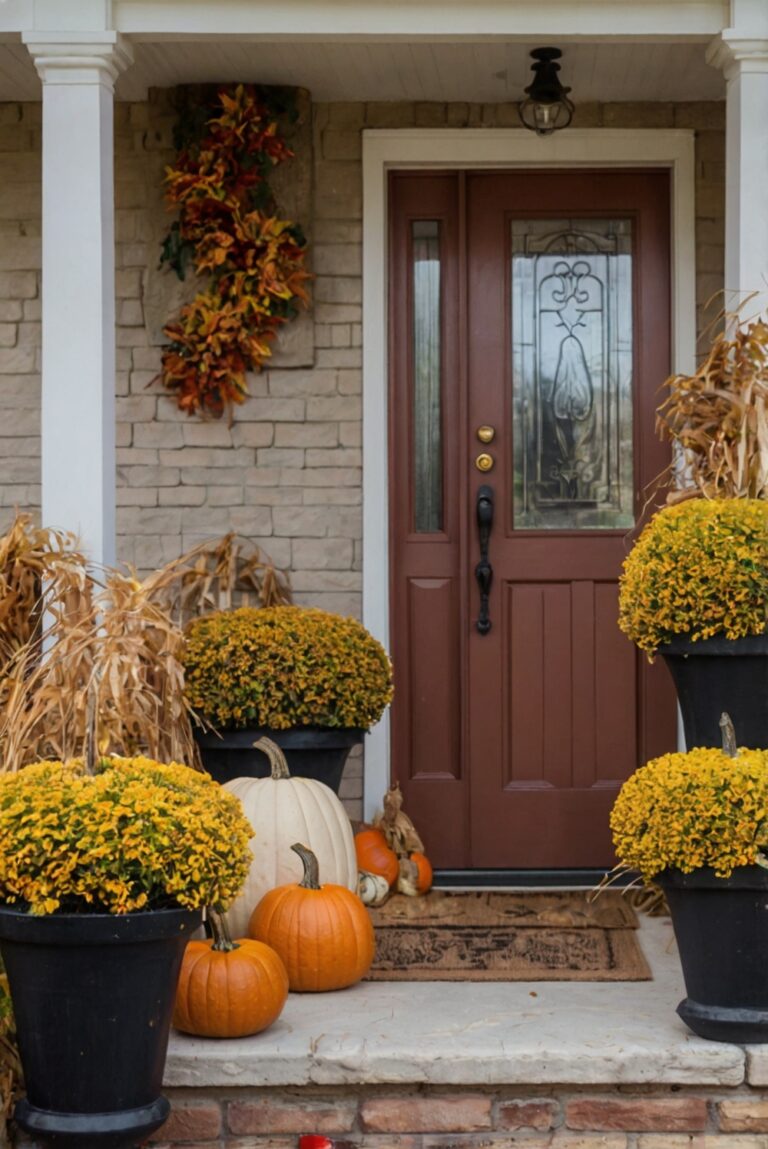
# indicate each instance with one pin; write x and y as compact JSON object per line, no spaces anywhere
{"x":285,"y":666}
{"x":699,"y":569}
{"x":135,"y":835}
{"x":686,"y":811}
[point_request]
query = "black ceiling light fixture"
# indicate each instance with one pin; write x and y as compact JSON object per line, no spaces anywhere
{"x":547,"y":108}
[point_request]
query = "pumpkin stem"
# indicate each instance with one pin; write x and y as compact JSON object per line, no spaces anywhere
{"x":729,"y":736}
{"x":277,"y":762}
{"x":311,"y":879}
{"x":222,"y":938}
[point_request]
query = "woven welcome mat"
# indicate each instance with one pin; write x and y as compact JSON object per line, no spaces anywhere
{"x":499,"y":936}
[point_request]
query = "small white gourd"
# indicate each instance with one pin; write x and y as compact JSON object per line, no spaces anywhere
{"x":283,"y":810}
{"x":373,"y":889}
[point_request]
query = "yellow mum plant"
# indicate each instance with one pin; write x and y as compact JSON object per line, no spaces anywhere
{"x":699,"y":568}
{"x":688,"y":811}
{"x":285,"y":666}
{"x":134,"y":835}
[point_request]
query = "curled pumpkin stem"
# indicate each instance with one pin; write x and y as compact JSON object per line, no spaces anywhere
{"x":277,"y":760}
{"x":222,"y":939}
{"x":311,"y":879}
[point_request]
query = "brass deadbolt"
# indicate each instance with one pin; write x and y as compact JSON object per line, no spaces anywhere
{"x":484,"y":462}
{"x":485,"y":433}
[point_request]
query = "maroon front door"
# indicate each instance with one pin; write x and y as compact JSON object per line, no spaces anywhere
{"x":530,"y":332}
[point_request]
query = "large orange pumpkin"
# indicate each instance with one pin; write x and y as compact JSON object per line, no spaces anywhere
{"x":374,"y":855}
{"x":323,"y":933}
{"x":229,"y":989}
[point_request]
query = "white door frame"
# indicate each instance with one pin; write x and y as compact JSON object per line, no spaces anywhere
{"x":483,"y":148}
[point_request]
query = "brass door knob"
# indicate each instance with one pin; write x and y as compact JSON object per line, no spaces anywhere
{"x":485,"y":433}
{"x":484,"y":462}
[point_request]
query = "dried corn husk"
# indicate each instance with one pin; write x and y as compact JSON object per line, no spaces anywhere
{"x":396,"y":826}
{"x":719,"y":418}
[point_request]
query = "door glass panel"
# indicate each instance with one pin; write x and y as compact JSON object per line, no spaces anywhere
{"x":572,"y":374}
{"x":427,"y":415}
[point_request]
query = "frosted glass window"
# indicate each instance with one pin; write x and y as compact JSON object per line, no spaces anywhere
{"x":427,"y":412}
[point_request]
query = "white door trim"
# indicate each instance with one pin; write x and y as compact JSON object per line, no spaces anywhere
{"x":483,"y":148}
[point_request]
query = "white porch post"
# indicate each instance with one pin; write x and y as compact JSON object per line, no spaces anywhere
{"x":78,"y":393}
{"x":744,"y":60}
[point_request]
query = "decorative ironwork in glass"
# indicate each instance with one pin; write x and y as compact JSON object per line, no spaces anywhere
{"x":427,"y":413}
{"x":572,"y":374}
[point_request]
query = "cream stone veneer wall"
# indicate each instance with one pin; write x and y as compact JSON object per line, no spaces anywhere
{"x":288,"y":472}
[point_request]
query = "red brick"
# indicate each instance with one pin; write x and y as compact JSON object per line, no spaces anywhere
{"x":286,"y":1117}
{"x":743,"y":1116}
{"x":527,"y":1114}
{"x":387,"y":1141}
{"x":479,"y":1141}
{"x":191,"y":1121}
{"x":669,"y":1114}
{"x":200,"y":1145}
{"x":433,"y":1114}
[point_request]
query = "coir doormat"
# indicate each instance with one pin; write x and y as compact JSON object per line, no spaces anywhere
{"x":503,"y":936}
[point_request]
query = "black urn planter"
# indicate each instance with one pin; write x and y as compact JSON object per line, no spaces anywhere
{"x":721,"y":926}
{"x":721,"y":674}
{"x":93,"y":998}
{"x":311,"y":752}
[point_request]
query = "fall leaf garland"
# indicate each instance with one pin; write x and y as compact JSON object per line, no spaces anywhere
{"x":227,"y":228}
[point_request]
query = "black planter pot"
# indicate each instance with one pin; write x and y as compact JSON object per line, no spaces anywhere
{"x":721,"y":674}
{"x":93,"y":997}
{"x":721,"y":926}
{"x":311,"y":752}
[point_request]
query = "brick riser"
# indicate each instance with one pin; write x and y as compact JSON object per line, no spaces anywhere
{"x":499,"y":1118}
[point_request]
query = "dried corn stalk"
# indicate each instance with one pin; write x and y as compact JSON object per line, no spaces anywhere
{"x":111,"y":682}
{"x":719,"y":418}
{"x":217,"y":576}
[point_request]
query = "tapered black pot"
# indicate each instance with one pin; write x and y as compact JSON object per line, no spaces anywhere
{"x":721,"y":926}
{"x":93,"y":997}
{"x":310,"y":751}
{"x":721,"y":674}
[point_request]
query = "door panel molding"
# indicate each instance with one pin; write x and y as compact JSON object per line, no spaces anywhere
{"x":503,"y":149}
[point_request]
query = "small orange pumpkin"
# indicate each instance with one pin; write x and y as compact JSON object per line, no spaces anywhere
{"x":226,"y":988}
{"x":423,"y":872}
{"x":323,"y":933}
{"x":375,"y":856}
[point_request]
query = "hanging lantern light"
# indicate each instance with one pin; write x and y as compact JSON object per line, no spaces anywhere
{"x":547,"y":108}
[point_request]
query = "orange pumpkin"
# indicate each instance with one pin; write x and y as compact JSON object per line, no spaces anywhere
{"x":374,"y":855}
{"x":226,"y":988}
{"x":323,"y":933}
{"x":423,"y":872}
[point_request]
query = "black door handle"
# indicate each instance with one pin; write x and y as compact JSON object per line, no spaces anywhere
{"x":484,"y":570}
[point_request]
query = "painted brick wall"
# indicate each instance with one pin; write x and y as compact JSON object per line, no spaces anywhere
{"x":288,"y":472}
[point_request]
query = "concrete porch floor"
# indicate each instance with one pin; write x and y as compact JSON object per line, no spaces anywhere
{"x":476,"y":1033}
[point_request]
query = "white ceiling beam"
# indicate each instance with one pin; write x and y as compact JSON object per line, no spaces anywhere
{"x":563,"y":20}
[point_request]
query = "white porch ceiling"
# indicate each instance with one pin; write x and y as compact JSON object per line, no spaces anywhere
{"x":482,"y":72}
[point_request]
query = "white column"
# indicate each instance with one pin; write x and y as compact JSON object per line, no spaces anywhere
{"x":744,"y":60}
{"x":78,"y":394}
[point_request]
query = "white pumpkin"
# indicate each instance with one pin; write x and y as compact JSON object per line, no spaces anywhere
{"x":284,"y":810}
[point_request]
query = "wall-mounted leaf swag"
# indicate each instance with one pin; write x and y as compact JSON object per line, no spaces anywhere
{"x":227,"y":228}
